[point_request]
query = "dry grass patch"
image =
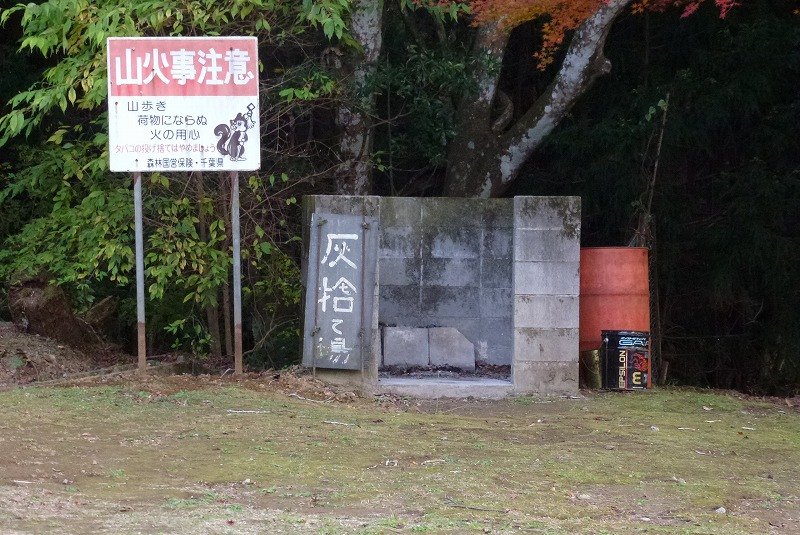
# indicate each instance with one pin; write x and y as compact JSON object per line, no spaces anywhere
{"x":284,"y":454}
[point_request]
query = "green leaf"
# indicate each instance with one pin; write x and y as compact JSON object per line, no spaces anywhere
{"x":288,"y":94}
{"x":57,"y":136}
{"x":328,"y":28}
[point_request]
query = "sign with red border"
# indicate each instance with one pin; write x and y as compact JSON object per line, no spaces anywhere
{"x":183,"y":104}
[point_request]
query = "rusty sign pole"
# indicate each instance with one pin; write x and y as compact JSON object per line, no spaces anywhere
{"x":137,"y":217}
{"x":237,"y":275}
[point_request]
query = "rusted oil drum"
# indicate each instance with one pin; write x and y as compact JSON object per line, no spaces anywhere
{"x":614,"y":293}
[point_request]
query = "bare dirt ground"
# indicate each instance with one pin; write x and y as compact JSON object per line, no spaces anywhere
{"x":278,"y":452}
{"x":26,"y":358}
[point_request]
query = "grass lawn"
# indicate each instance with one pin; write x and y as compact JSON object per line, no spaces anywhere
{"x":178,"y":455}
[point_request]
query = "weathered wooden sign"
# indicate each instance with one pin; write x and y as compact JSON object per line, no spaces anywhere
{"x":340,"y":290}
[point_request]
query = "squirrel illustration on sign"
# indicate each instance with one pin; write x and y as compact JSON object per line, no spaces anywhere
{"x":232,"y":139}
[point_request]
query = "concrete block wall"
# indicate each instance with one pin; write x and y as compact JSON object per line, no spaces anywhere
{"x":448,"y":263}
{"x":504,"y":273}
{"x":407,"y":347}
{"x":546,"y":293}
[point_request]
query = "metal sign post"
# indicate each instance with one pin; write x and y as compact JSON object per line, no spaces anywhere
{"x":237,"y":275}
{"x":137,"y":216}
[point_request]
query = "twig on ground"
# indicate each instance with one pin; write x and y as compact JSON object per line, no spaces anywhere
{"x":293,"y":395}
{"x":454,"y":503}
{"x":334,"y":423}
{"x":454,"y":409}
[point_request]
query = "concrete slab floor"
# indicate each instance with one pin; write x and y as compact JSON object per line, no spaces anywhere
{"x":445,"y":387}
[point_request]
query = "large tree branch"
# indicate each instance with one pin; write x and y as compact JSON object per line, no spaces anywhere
{"x":491,"y":41}
{"x":582,"y":65}
{"x":490,"y":170}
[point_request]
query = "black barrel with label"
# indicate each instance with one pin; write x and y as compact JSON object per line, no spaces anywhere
{"x":626,"y":360}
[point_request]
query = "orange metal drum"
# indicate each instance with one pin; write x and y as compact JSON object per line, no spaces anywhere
{"x":614,"y":294}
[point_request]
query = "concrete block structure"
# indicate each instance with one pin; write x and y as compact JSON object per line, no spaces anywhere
{"x":448,"y":263}
{"x":546,"y":293}
{"x":405,"y":347}
{"x":449,"y":347}
{"x":498,"y":278}
{"x":409,"y":347}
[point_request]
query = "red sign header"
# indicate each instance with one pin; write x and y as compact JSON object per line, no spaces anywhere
{"x":182,"y":66}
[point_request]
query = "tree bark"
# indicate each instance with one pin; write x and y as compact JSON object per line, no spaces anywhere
{"x":212,"y":317}
{"x":223,"y":208}
{"x":226,"y":312}
{"x":354,"y":172}
{"x":483,"y":163}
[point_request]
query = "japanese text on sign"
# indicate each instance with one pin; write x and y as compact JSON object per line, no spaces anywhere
{"x":342,"y":293}
{"x":341,"y":270}
{"x":182,"y":66}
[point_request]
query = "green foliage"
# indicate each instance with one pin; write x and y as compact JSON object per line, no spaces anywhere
{"x":653,"y":111}
{"x":441,"y":11}
{"x":422,"y":86}
{"x":63,"y":211}
{"x":418,"y":83}
{"x":275,"y":333}
{"x":189,"y":333}
{"x":86,"y":235}
{"x":177,"y":255}
{"x":330,"y":15}
{"x":317,"y":84}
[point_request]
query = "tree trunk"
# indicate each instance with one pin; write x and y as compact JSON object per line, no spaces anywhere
{"x":223,"y":207}
{"x":353,"y":175}
{"x":212,"y":317}
{"x":483,"y":162}
{"x":226,"y":311}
